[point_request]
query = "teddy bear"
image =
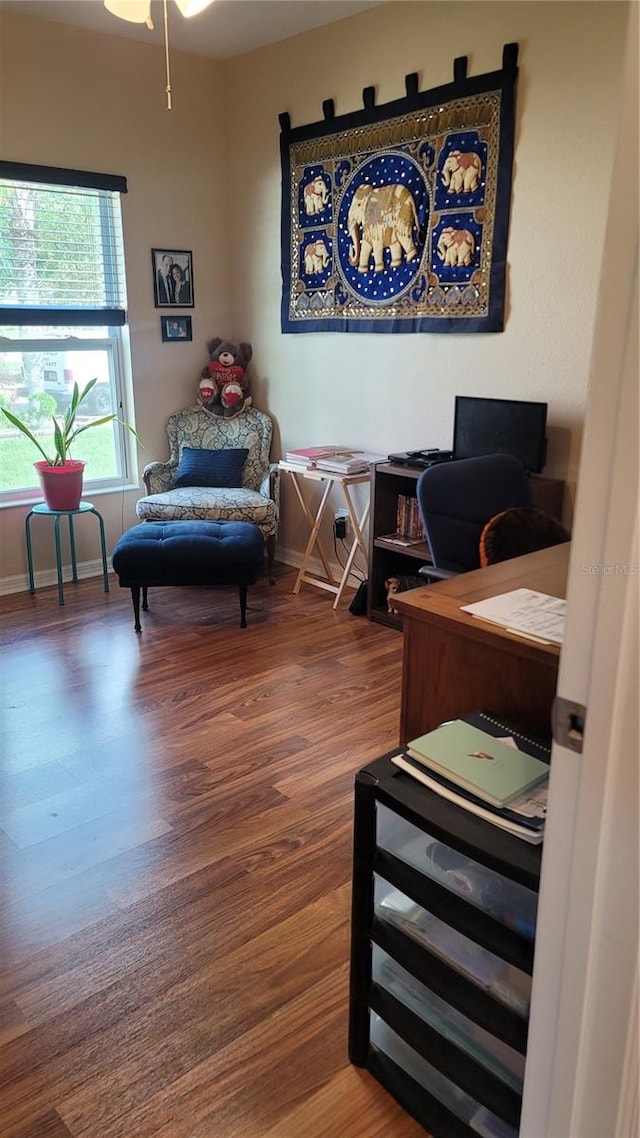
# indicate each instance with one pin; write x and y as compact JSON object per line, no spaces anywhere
{"x":224,"y":387}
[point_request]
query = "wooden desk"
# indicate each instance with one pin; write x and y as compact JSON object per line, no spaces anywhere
{"x":454,"y":663}
{"x":344,"y":481}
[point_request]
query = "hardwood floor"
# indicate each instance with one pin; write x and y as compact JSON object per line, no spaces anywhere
{"x":175,"y":858}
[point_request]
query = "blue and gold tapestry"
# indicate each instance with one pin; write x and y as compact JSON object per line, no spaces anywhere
{"x":395,"y":218}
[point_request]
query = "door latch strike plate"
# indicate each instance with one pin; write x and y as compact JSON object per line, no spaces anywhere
{"x":567,"y":723}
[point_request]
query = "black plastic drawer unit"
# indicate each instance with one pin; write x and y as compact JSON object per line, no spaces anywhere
{"x":443,"y":930}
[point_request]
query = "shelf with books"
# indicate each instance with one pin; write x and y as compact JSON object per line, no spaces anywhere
{"x":408,"y":521}
{"x":394,"y":517}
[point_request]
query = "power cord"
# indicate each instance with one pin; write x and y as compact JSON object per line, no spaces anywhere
{"x":355,"y":569}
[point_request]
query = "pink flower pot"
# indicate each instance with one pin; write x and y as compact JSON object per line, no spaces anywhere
{"x":61,"y":485}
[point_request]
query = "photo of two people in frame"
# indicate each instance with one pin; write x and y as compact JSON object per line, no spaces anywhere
{"x":173,"y":278}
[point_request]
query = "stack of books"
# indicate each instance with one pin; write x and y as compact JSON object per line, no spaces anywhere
{"x":349,"y":461}
{"x":408,"y":520}
{"x":503,"y":780}
{"x":409,"y":528}
{"x":308,"y":456}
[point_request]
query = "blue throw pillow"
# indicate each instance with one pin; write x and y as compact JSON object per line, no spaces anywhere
{"x":200,"y":467}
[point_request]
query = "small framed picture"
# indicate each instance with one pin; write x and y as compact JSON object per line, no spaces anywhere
{"x":172,"y":278}
{"x":175,"y":328}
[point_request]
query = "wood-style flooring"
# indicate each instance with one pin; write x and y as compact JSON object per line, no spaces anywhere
{"x":175,"y":860}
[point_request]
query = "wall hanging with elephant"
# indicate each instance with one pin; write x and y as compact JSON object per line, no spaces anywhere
{"x":395,"y":218}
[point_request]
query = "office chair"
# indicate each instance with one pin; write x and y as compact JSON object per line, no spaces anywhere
{"x":457,"y":499}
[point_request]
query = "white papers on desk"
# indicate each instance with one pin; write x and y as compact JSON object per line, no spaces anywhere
{"x":526,"y":612}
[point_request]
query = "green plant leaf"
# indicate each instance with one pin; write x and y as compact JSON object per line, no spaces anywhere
{"x":61,"y":443}
{"x":87,"y":389}
{"x":75,"y":399}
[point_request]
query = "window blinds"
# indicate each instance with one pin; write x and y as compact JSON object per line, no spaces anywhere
{"x":61,"y":249}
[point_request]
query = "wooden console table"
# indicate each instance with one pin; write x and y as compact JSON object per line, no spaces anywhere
{"x":454,"y":663}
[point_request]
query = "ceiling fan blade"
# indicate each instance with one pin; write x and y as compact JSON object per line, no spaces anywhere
{"x":192,"y":7}
{"x":136,"y":11}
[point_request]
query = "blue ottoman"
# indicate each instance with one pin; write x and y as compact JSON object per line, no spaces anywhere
{"x":156,"y":554}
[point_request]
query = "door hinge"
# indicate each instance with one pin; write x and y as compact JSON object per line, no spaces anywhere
{"x":567,"y":723}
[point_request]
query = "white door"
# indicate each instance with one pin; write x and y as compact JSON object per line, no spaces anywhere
{"x":581,"y":1076}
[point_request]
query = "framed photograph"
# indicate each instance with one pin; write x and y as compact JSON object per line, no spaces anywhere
{"x":175,"y":328}
{"x":172,"y":278}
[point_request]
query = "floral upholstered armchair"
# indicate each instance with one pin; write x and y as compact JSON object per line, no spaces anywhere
{"x":256,"y":497}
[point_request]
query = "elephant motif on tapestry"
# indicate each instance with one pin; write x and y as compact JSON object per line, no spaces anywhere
{"x":316,"y":196}
{"x":456,"y":246}
{"x":379,"y":218}
{"x":461,"y":172}
{"x":316,"y":258}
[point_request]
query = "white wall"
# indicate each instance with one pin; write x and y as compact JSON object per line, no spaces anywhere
{"x":206,"y":177}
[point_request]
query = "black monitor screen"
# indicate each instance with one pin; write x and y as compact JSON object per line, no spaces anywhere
{"x":501,"y":426}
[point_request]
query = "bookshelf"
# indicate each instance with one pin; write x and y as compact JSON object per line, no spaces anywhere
{"x":387,"y":559}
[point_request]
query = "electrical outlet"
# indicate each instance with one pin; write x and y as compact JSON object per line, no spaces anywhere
{"x":341,"y":524}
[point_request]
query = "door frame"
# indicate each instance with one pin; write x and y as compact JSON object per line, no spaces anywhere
{"x":583,"y":1026}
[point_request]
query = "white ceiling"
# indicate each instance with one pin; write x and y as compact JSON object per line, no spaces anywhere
{"x":227,"y":28}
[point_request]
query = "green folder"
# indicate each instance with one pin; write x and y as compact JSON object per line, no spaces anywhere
{"x":468,"y":757}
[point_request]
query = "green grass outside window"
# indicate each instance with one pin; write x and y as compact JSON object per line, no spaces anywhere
{"x":95,"y":447}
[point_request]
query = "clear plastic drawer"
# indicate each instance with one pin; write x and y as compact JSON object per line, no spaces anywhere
{"x":492,"y":1053}
{"x":504,"y":981}
{"x":509,"y":902}
{"x":480,"y":1119}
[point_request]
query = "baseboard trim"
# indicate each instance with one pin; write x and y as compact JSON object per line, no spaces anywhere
{"x":45,"y":577}
{"x":294,"y":559}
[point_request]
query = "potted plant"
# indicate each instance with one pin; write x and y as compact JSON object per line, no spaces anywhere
{"x":61,"y":476}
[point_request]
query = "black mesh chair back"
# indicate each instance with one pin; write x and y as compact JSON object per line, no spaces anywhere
{"x":457,"y":499}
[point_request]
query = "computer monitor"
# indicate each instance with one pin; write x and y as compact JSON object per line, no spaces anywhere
{"x":501,"y":426}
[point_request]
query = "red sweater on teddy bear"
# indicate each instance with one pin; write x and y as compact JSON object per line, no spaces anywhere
{"x":224,"y":373}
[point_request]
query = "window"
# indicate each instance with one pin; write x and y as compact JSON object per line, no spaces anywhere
{"x":62,"y":316}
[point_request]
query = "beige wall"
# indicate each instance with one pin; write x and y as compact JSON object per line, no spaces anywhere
{"x":396,"y":392}
{"x":69,"y":98}
{"x":206,"y":177}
